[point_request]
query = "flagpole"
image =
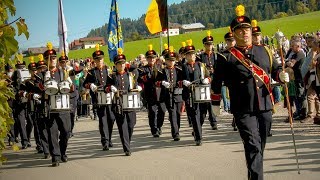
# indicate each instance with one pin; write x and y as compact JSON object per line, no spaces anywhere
{"x":118,"y":38}
{"x":63,"y":37}
{"x":167,"y":17}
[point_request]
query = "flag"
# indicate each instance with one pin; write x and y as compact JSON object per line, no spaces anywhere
{"x":115,"y":39}
{"x":62,"y":30}
{"x":157,"y":16}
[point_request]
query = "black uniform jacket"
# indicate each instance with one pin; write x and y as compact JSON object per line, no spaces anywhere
{"x":175,"y":77}
{"x":247,"y":94}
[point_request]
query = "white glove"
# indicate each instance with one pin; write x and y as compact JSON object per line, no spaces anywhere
{"x":186,"y":83}
{"x":24,"y":94}
{"x":93,"y":87}
{"x":139,"y":88}
{"x":284,"y":77}
{"x":47,"y":76}
{"x":114,"y":89}
{"x":69,"y":80}
{"x":205,"y":81}
{"x":165,"y":84}
{"x":36,"y":96}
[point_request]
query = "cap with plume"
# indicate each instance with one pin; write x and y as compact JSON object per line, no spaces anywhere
{"x":183,"y":44}
{"x":171,"y":49}
{"x":150,"y":47}
{"x":165,"y":46}
{"x":208,"y":33}
{"x":31,"y":58}
{"x":120,"y":51}
{"x":97,"y":47}
{"x":189,"y":42}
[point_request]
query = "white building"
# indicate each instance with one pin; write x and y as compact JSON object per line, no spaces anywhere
{"x":172,"y":32}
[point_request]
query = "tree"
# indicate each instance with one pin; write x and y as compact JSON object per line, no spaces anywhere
{"x":280,"y":15}
{"x":8,"y":48}
{"x":210,"y":25}
{"x":301,"y":8}
{"x":313,"y":5}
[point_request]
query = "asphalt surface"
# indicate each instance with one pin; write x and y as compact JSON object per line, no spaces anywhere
{"x":220,"y":157}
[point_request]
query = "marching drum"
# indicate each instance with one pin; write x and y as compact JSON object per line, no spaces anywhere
{"x":51,"y":87}
{"x":60,"y":102}
{"x":23,"y":74}
{"x":202,"y":94}
{"x":131,"y":101}
{"x":104,"y":98}
{"x":64,"y":87}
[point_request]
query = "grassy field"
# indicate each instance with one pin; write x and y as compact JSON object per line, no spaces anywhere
{"x":289,"y":26}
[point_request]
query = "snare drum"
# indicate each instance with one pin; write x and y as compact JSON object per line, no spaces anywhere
{"x":60,"y":102}
{"x":51,"y":87}
{"x":131,"y":101}
{"x":202,"y":94}
{"x":64,"y":87}
{"x":104,"y":98}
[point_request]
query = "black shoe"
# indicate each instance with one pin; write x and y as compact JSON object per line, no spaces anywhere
{"x":55,"y":164}
{"x":198,"y":142}
{"x":29,"y":144}
{"x":190,"y":125}
{"x":192,"y":133}
{"x":127,"y":153}
{"x":214,"y":126}
{"x":105,"y":148}
{"x":156,"y":134}
{"x":270,"y":134}
{"x":110,"y":144}
{"x":46,"y":156}
{"x":177,"y":138}
{"x":235,"y":129}
{"x":64,"y":158}
{"x":39,"y":149}
{"x":24,"y":146}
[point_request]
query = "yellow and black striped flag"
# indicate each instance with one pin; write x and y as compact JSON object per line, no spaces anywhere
{"x":157,"y":16}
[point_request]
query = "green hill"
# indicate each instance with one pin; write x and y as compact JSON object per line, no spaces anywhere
{"x":288,"y":25}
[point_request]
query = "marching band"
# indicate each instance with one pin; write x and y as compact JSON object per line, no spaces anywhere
{"x":47,"y":94}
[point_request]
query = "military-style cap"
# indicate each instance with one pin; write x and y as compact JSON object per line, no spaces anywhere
{"x":120,"y":57}
{"x":151,"y":53}
{"x":41,"y":63}
{"x":241,"y":20}
{"x":32,"y":65}
{"x":7,"y":67}
{"x":63,"y":57}
{"x":183,"y":46}
{"x":208,"y":39}
{"x":229,"y":35}
{"x":98,"y":54}
{"x":255,"y":28}
{"x":166,"y":50}
{"x":50,"y":52}
{"x":20,"y":64}
{"x":189,"y":48}
{"x":171,"y":55}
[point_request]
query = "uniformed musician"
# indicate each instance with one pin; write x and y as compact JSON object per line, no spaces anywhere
{"x":58,"y":124}
{"x":194,"y":72}
{"x":123,"y":82}
{"x":245,"y":71}
{"x":95,"y":81}
{"x":155,"y":104}
{"x":170,"y":81}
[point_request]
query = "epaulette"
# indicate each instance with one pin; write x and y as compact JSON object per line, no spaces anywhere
{"x":179,"y":68}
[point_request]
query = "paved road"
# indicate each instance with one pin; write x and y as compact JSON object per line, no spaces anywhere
{"x":220,"y":157}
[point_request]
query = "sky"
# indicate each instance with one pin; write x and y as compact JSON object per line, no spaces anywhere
{"x":81,"y":16}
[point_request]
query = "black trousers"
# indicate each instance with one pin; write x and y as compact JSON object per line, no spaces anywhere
{"x":174,"y":117}
{"x":194,"y":113}
{"x":73,"y":112}
{"x":43,"y":133}
{"x":32,"y":124}
{"x":126,"y":123}
{"x":204,"y":108}
{"x":58,"y":127}
{"x":20,"y":124}
{"x":106,"y":121}
{"x":156,"y":112}
{"x":253,"y":129}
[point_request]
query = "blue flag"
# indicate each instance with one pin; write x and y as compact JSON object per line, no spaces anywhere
{"x":115,"y":39}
